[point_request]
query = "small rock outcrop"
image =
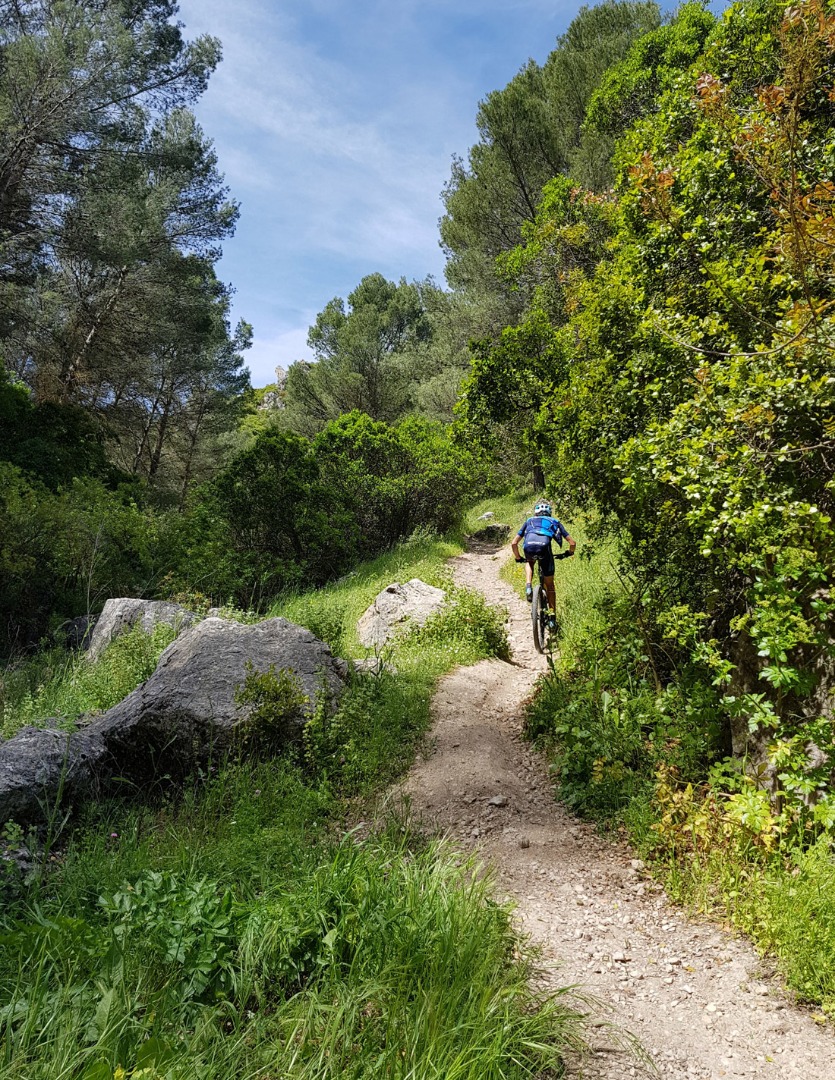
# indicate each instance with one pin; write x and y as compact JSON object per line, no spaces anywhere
{"x":123,"y":613}
{"x":489,"y":537}
{"x":395,"y":607}
{"x":185,"y":710}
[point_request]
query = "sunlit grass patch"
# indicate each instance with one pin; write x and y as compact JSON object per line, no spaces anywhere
{"x":60,"y":686}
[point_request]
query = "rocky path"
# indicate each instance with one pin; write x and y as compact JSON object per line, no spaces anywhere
{"x":699,"y":1000}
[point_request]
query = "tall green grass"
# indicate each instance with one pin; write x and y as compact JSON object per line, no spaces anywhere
{"x":388,"y":958}
{"x":60,"y":686}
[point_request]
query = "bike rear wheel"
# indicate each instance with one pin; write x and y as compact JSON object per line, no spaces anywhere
{"x":539,"y":618}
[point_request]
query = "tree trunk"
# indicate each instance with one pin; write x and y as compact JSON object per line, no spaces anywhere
{"x":538,"y":478}
{"x":192,"y":446}
{"x":161,"y":431}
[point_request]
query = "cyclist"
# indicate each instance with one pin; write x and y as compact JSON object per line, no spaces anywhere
{"x":537,"y":534}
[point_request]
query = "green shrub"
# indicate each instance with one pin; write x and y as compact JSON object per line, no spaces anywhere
{"x":275,"y":711}
{"x":466,"y":620}
{"x":65,"y":552}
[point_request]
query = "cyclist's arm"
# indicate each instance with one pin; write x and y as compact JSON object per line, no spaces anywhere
{"x":514,"y":543}
{"x":572,"y":544}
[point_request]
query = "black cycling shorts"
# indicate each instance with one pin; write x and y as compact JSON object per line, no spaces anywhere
{"x":545,"y":558}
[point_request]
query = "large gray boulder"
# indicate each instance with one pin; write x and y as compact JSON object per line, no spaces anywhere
{"x":396,"y":608}
{"x":39,"y":765}
{"x":123,"y":613}
{"x":184,"y":712}
{"x":188,"y":705}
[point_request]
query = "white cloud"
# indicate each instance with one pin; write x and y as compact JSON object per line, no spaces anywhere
{"x":335,"y":122}
{"x":291,"y":125}
{"x":280,"y":350}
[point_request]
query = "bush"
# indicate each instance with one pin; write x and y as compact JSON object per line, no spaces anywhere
{"x":64,"y":553}
{"x":467,"y":621}
{"x":275,"y":716}
{"x":288,"y":513}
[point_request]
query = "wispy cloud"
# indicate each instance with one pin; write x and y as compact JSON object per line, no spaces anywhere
{"x":335,"y":122}
{"x":279,"y":350}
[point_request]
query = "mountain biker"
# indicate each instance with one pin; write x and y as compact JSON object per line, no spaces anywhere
{"x":537,"y":534}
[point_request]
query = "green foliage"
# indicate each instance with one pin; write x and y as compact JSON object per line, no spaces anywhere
{"x":52,"y":442}
{"x":274,"y":703}
{"x":359,"y":356}
{"x":171,"y":969}
{"x":530,"y":132}
{"x":629,"y":90}
{"x":59,"y":686}
{"x":467,"y":621}
{"x":184,"y":928}
{"x":65,"y":552}
{"x":288,"y":512}
{"x":120,"y":331}
{"x":609,"y":722}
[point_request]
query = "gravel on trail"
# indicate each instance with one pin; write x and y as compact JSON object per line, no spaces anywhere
{"x":698,"y":999}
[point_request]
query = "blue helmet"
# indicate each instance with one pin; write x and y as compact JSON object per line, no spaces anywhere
{"x":542,"y":509}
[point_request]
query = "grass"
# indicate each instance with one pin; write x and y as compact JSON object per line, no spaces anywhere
{"x":60,"y":686}
{"x":785,"y":904}
{"x":242,"y":927}
{"x":383,"y":956}
{"x":511,"y":509}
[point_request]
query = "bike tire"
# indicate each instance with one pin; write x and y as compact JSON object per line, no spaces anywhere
{"x":539,"y":618}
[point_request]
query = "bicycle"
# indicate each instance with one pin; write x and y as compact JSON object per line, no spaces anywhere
{"x":543,"y":635}
{"x":539,"y":614}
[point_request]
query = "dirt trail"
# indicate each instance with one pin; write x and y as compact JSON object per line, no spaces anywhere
{"x":699,"y":1000}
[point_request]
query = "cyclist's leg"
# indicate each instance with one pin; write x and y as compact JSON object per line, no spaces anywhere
{"x":547,"y":566}
{"x":529,"y":561}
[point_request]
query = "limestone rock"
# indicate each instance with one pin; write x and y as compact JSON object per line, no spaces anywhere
{"x":374,"y":665}
{"x":186,"y":709}
{"x":38,"y":764}
{"x":119,"y":615}
{"x":188,"y":704}
{"x":395,"y":607}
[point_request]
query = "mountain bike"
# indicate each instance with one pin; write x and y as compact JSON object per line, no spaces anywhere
{"x":542,"y":634}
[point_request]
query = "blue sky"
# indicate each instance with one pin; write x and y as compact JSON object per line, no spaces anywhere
{"x":335,"y":122}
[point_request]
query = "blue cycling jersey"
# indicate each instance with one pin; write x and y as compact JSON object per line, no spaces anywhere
{"x":539,"y":531}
